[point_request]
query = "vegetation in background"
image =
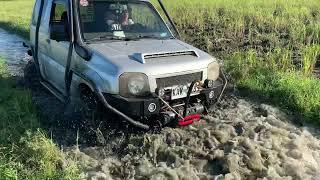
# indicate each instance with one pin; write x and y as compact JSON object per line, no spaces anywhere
{"x":15,"y":16}
{"x":26,"y":152}
{"x":270,"y":48}
{"x":292,"y":91}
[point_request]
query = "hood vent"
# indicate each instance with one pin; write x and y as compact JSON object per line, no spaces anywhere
{"x":141,"y":57}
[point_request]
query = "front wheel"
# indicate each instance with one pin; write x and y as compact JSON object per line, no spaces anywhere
{"x":91,"y":110}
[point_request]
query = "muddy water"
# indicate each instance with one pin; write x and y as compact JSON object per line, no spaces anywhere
{"x":12,"y":50}
{"x":240,"y":140}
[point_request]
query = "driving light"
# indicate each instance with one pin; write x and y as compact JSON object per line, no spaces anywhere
{"x":152,"y":107}
{"x":213,"y":71}
{"x":209,"y":83}
{"x":160,"y":92}
{"x":133,"y":84}
{"x":211,"y":95}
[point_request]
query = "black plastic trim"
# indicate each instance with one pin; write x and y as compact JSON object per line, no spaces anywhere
{"x":36,"y":44}
{"x":80,"y":47}
{"x":134,"y":107}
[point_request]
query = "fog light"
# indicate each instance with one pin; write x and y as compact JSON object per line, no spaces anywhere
{"x":152,"y":107}
{"x":160,"y":92}
{"x":209,"y":83}
{"x":211,"y":94}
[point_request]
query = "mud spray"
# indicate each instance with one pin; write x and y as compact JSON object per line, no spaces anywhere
{"x":241,"y":140}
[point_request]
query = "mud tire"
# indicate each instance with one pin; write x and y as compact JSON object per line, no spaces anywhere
{"x":91,"y":110}
{"x":31,"y":76}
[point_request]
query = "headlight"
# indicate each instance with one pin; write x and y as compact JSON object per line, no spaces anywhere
{"x":133,"y":84}
{"x":213,"y":71}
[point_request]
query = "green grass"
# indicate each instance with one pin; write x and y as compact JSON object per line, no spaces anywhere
{"x":279,"y":84}
{"x":25,"y":151}
{"x":15,"y":16}
{"x":294,"y":92}
{"x":270,"y":48}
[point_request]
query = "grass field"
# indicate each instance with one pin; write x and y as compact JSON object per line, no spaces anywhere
{"x":25,"y":151}
{"x":270,"y":48}
{"x":15,"y":16}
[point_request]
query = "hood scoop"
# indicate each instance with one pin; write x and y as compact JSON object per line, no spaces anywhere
{"x":141,"y":57}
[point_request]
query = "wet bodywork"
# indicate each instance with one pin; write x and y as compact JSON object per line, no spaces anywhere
{"x":169,"y":66}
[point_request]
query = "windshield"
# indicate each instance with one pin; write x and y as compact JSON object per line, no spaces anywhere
{"x":120,"y":20}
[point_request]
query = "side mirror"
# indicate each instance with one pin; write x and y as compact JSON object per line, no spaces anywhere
{"x":58,"y":31}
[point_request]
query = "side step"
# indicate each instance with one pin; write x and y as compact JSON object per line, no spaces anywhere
{"x":54,"y":91}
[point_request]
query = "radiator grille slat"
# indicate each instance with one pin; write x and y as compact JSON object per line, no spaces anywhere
{"x":178,"y":80}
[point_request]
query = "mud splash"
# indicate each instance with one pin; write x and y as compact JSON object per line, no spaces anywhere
{"x":241,"y":140}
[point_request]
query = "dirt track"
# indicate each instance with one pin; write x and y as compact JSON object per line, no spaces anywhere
{"x":241,"y":140}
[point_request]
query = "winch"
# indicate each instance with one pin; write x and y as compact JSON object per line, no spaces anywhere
{"x":170,"y":115}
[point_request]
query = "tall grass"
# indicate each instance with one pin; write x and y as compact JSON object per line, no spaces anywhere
{"x":311,"y":54}
{"x":25,"y":151}
{"x":224,"y":27}
{"x":270,"y":48}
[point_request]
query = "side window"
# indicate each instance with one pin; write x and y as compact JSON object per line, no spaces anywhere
{"x":58,"y":13}
{"x":59,"y":25}
{"x":35,"y":12}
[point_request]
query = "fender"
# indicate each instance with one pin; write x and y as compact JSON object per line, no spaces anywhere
{"x":85,"y":53}
{"x":97,"y":90}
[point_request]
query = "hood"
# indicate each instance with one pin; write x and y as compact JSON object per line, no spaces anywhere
{"x":151,"y":56}
{"x":129,"y":48}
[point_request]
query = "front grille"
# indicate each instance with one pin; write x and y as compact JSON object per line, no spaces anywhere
{"x":177,"y":80}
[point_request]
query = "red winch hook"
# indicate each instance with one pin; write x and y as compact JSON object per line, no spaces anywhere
{"x":188,"y":120}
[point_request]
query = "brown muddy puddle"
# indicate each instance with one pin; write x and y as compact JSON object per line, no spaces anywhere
{"x":241,"y":140}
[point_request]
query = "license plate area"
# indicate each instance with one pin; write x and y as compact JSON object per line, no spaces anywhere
{"x":181,"y":91}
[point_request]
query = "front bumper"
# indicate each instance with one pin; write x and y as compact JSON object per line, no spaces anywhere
{"x":135,"y":107}
{"x":141,"y":107}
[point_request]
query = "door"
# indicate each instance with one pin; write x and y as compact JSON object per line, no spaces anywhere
{"x":55,"y":59}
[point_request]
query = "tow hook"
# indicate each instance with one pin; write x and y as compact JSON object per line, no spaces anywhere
{"x":188,"y":120}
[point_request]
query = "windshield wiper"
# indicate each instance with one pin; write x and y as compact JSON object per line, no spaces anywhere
{"x":153,"y":37}
{"x":105,"y":37}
